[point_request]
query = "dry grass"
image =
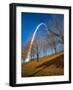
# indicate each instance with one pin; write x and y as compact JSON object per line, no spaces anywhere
{"x":46,"y":66}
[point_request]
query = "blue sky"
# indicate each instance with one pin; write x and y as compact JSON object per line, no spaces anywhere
{"x":29,"y":22}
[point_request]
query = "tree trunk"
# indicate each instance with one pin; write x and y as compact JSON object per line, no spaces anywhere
{"x":37,"y":57}
{"x":54,"y":50}
{"x":37,"y":54}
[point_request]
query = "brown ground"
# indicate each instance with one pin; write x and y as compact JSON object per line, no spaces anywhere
{"x":46,"y":66}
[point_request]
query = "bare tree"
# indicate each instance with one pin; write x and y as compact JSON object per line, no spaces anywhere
{"x":52,"y":42}
{"x":56,"y":32}
{"x":24,"y":52}
{"x":35,"y":49}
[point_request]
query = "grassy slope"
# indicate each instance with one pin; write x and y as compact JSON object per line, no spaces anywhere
{"x":48,"y":65}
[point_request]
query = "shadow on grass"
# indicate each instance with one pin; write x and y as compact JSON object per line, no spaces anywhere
{"x":57,"y":62}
